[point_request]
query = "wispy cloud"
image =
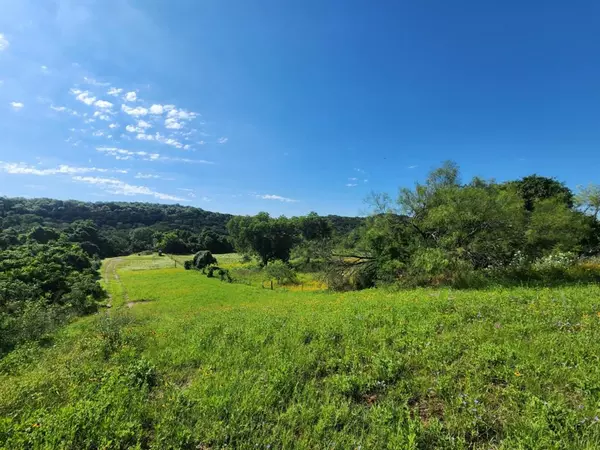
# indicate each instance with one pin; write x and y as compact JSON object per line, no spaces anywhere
{"x":119,"y":187}
{"x":412,"y":167}
{"x":25,"y":169}
{"x":123,"y":154}
{"x":83,"y":96}
{"x":94,"y":82}
{"x":147,"y":176}
{"x":180,"y":114}
{"x":137,"y":111}
{"x":114,"y":91}
{"x":222,"y":140}
{"x":351,"y":185}
{"x":3,"y":42}
{"x":172,"y":124}
{"x":141,"y":136}
{"x":276,"y":197}
{"x":17,"y":105}
{"x":103,"y":104}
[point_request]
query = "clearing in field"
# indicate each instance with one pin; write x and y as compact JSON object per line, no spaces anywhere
{"x":202,"y":364}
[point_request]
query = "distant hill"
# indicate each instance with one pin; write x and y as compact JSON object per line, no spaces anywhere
{"x":117,"y":219}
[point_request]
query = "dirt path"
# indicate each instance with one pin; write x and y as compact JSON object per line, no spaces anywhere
{"x":110,"y":274}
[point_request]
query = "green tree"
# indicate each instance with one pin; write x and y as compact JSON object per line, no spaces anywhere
{"x":171,"y":243}
{"x":141,"y":239}
{"x":267,"y":238}
{"x":588,"y":199}
{"x":315,"y":236}
{"x":555,"y":227}
{"x":535,"y":188}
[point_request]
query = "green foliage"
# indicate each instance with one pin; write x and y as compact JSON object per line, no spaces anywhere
{"x":444,"y":232}
{"x":203,"y":259}
{"x":267,"y":238}
{"x":172,"y":243}
{"x":281,"y":272}
{"x":42,"y":285}
{"x":535,"y":188}
{"x":215,"y":365}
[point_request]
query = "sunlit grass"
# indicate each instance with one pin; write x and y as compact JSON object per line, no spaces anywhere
{"x":200,"y":363}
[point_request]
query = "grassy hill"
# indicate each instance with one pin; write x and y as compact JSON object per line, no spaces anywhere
{"x":183,"y":361}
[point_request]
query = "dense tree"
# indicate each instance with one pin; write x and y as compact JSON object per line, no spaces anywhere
{"x":265,"y":237}
{"x":115,"y":222}
{"x":172,"y":243}
{"x":315,"y":234}
{"x":535,"y":188}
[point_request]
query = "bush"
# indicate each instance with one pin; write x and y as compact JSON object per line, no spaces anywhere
{"x":188,"y":265}
{"x":281,"y":272}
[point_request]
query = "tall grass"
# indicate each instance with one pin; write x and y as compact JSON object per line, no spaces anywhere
{"x":205,"y":364}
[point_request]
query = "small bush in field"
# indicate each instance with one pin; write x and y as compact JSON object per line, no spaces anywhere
{"x":188,"y":265}
{"x":281,"y":272}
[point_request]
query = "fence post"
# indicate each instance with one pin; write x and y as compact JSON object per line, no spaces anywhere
{"x":271,"y":284}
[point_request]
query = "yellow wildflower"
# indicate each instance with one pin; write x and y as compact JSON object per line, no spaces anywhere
{"x":517,"y":373}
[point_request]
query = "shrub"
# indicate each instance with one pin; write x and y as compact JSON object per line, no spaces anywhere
{"x":188,"y":265}
{"x":281,"y":272}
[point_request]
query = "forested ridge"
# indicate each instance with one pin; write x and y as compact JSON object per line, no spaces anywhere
{"x":121,"y":228}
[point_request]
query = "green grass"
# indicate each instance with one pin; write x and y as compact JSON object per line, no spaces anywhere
{"x":197,"y":363}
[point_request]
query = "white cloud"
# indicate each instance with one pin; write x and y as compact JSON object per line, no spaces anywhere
{"x":173,"y":124}
{"x":222,"y":140}
{"x":147,"y":176}
{"x":277,"y":197}
{"x":102,"y":116}
{"x":144,"y":137}
{"x":3,"y":42}
{"x":93,"y":82}
{"x":144,"y":124}
{"x":133,"y":129}
{"x":44,"y":69}
{"x":113,"y":125}
{"x":131,"y":96}
{"x":103,"y":104}
{"x":412,"y":167}
{"x":122,"y":154}
{"x":137,"y":111}
{"x":114,"y":91}
{"x":159,"y":138}
{"x":353,"y":179}
{"x":16,"y":105}
{"x":64,"y":109}
{"x":83,"y":96}
{"x":98,"y":133}
{"x":157,"y":109}
{"x":351,"y":185}
{"x":24,"y":169}
{"x":118,"y":187}
{"x":180,"y":114}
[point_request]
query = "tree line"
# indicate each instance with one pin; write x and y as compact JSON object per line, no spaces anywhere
{"x":119,"y":228}
{"x":444,"y":231}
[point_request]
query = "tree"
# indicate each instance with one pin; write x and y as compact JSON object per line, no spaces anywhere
{"x":43,"y":235}
{"x":141,"y":239}
{"x":555,"y":227}
{"x":267,"y":238}
{"x":535,"y":188}
{"x":588,"y":199}
{"x":172,"y":243}
{"x":315,"y":235}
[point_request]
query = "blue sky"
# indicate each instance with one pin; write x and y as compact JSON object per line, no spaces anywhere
{"x":288,"y":107}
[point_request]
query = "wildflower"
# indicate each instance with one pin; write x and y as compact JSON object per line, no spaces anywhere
{"x":36,"y":425}
{"x":517,"y":373}
{"x":598,"y":313}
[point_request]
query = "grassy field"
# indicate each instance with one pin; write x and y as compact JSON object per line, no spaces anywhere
{"x":183,"y":361}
